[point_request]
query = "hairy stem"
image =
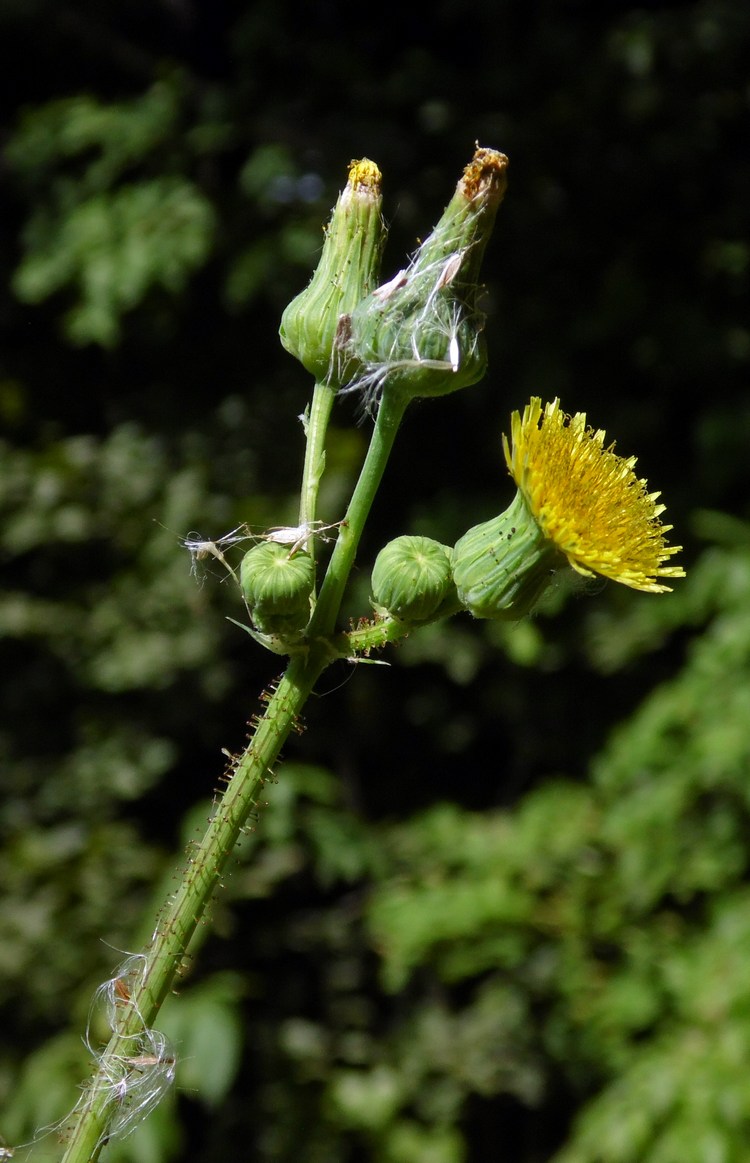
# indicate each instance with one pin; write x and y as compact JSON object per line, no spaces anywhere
{"x":186,"y":909}
{"x":374,"y":634}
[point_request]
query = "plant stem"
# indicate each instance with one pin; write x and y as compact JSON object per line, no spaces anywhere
{"x":379,"y":631}
{"x":186,"y":909}
{"x":390,"y":415}
{"x":317,"y":424}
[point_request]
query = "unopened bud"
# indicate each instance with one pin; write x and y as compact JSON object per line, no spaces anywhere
{"x":411,"y":578}
{"x":277,"y":586}
{"x":315,"y":325}
{"x":422,"y":331}
{"x":502,"y":567}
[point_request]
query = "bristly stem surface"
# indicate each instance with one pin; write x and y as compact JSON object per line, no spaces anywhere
{"x":186,"y":908}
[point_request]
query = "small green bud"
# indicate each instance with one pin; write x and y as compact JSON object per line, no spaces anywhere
{"x":315,"y":325}
{"x":422,"y":331}
{"x":277,"y":586}
{"x":502,"y":567}
{"x":411,"y":578}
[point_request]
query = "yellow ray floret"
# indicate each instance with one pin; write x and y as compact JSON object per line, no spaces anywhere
{"x":587,"y":500}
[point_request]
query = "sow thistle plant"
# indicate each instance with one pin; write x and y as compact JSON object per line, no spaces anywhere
{"x":578,"y":505}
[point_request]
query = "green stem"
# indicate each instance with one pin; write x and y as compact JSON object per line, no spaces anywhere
{"x":377,"y":633}
{"x":315,"y":457}
{"x":390,"y":415}
{"x":186,"y":909}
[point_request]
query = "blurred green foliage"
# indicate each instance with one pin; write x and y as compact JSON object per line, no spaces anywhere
{"x":497,"y":904}
{"x":108,"y":239}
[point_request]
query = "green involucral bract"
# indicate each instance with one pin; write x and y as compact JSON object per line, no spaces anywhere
{"x":502,"y":567}
{"x":277,"y":586}
{"x":411,"y":578}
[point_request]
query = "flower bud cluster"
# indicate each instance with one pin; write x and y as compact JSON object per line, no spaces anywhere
{"x":421,"y":332}
{"x":497,"y":570}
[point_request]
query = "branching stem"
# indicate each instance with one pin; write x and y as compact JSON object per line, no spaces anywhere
{"x":207,"y":861}
{"x":390,"y":415}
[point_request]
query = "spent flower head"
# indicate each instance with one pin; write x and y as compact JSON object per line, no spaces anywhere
{"x":421,"y":332}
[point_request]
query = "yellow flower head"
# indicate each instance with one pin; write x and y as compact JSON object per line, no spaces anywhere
{"x":587,"y":500}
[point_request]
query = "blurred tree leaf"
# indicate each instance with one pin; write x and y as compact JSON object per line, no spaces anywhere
{"x":107,"y":240}
{"x":112,"y":249}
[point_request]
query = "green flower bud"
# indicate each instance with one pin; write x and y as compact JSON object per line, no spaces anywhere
{"x":277,"y":586}
{"x":411,"y":578}
{"x":315,"y":325}
{"x":422,"y":331}
{"x":502,"y":567}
